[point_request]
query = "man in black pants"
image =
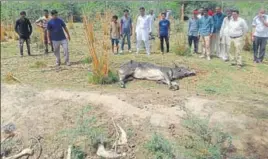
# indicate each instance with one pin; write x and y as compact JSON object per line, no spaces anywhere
{"x":24,"y":29}
{"x":163,"y":32}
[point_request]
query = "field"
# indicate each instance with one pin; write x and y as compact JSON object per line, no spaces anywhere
{"x":65,"y":109}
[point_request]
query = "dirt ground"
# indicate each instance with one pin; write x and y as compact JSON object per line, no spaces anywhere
{"x":46,"y":112}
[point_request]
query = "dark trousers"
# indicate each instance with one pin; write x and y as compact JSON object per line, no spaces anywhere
{"x":194,"y":39}
{"x":259,"y":48}
{"x":21,"y":42}
{"x":162,"y":43}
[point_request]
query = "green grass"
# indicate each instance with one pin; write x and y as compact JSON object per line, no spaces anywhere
{"x":109,"y":79}
{"x":160,"y":147}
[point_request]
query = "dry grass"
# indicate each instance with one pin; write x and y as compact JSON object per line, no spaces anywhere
{"x":70,"y":23}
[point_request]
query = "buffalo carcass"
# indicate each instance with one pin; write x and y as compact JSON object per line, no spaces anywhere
{"x":147,"y":71}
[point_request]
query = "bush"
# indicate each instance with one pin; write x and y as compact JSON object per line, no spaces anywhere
{"x":183,"y":50}
{"x":160,"y":147}
{"x":99,"y":79}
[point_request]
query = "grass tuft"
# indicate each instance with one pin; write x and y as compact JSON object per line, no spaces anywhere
{"x":98,"y":79}
{"x":39,"y":64}
{"x":160,"y":147}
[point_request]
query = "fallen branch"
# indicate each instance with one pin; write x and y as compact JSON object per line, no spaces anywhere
{"x":108,"y":154}
{"x":9,"y":135}
{"x":25,"y":152}
{"x":123,"y":138}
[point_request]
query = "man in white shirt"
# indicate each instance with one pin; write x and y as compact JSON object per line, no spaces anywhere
{"x":224,"y":37}
{"x":143,"y":30}
{"x":237,"y":29}
{"x":260,"y":35}
{"x":201,"y":12}
{"x":151,"y":15}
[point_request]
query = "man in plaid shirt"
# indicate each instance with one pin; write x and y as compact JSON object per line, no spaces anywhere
{"x":42,"y":22}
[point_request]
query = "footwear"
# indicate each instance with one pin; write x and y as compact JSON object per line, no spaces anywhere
{"x":46,"y":51}
{"x":162,"y":53}
{"x":129,"y":51}
{"x":29,"y":54}
{"x":121,"y":51}
{"x":239,"y":66}
{"x":233,"y":64}
{"x":137,"y":52}
{"x":202,"y":56}
{"x":68,"y":64}
{"x":21,"y":55}
{"x":208,"y":58}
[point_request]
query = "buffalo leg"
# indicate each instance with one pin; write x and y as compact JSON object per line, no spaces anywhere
{"x":167,"y":81}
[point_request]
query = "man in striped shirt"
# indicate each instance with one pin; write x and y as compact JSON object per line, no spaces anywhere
{"x":193,"y":31}
{"x":42,"y":22}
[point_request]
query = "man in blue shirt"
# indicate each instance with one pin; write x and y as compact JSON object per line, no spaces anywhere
{"x":126,"y":30}
{"x":163,"y":32}
{"x":56,"y":28}
{"x":215,"y":40}
{"x":206,"y":27}
{"x":193,"y":31}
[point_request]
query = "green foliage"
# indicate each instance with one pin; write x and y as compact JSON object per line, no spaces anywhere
{"x":87,"y":60}
{"x":84,"y":129}
{"x":160,"y":147}
{"x":204,"y":140}
{"x":183,"y":51}
{"x":77,"y":153}
{"x":98,"y":79}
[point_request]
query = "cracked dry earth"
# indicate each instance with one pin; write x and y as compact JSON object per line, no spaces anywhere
{"x":46,"y":112}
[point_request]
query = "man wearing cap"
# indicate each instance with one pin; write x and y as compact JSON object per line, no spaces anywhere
{"x":56,"y":28}
{"x":193,"y":31}
{"x":205,"y":29}
{"x":237,"y":30}
{"x":24,"y":29}
{"x":143,"y":30}
{"x":215,"y":42}
{"x":260,"y":35}
{"x":224,"y":37}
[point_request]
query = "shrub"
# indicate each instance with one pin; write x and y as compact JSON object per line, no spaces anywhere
{"x":160,"y":147}
{"x":110,"y":78}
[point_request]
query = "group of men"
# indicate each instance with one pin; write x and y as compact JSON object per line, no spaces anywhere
{"x":53,"y":28}
{"x":218,"y":31}
{"x":215,"y":30}
{"x":143,"y":31}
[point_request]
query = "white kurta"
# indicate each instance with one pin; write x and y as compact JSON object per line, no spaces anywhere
{"x":143,"y":28}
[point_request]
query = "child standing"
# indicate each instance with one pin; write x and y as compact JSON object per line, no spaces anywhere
{"x":115,"y":33}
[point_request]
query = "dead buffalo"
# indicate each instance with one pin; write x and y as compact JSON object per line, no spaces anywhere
{"x":147,"y":71}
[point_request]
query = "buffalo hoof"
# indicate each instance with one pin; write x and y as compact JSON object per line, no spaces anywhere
{"x":122,"y":85}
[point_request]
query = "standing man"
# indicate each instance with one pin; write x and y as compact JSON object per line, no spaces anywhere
{"x":260,"y":35}
{"x":193,"y":31}
{"x":42,"y":22}
{"x":24,"y":29}
{"x":164,"y":32}
{"x":126,"y":30}
{"x":224,"y":37}
{"x":56,"y":34}
{"x":237,"y":29}
{"x":143,"y":30}
{"x":215,"y":42}
{"x":167,"y":14}
{"x":206,"y":27}
{"x":201,"y":13}
{"x":152,"y":19}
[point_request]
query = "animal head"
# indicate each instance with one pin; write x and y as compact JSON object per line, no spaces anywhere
{"x":182,"y":71}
